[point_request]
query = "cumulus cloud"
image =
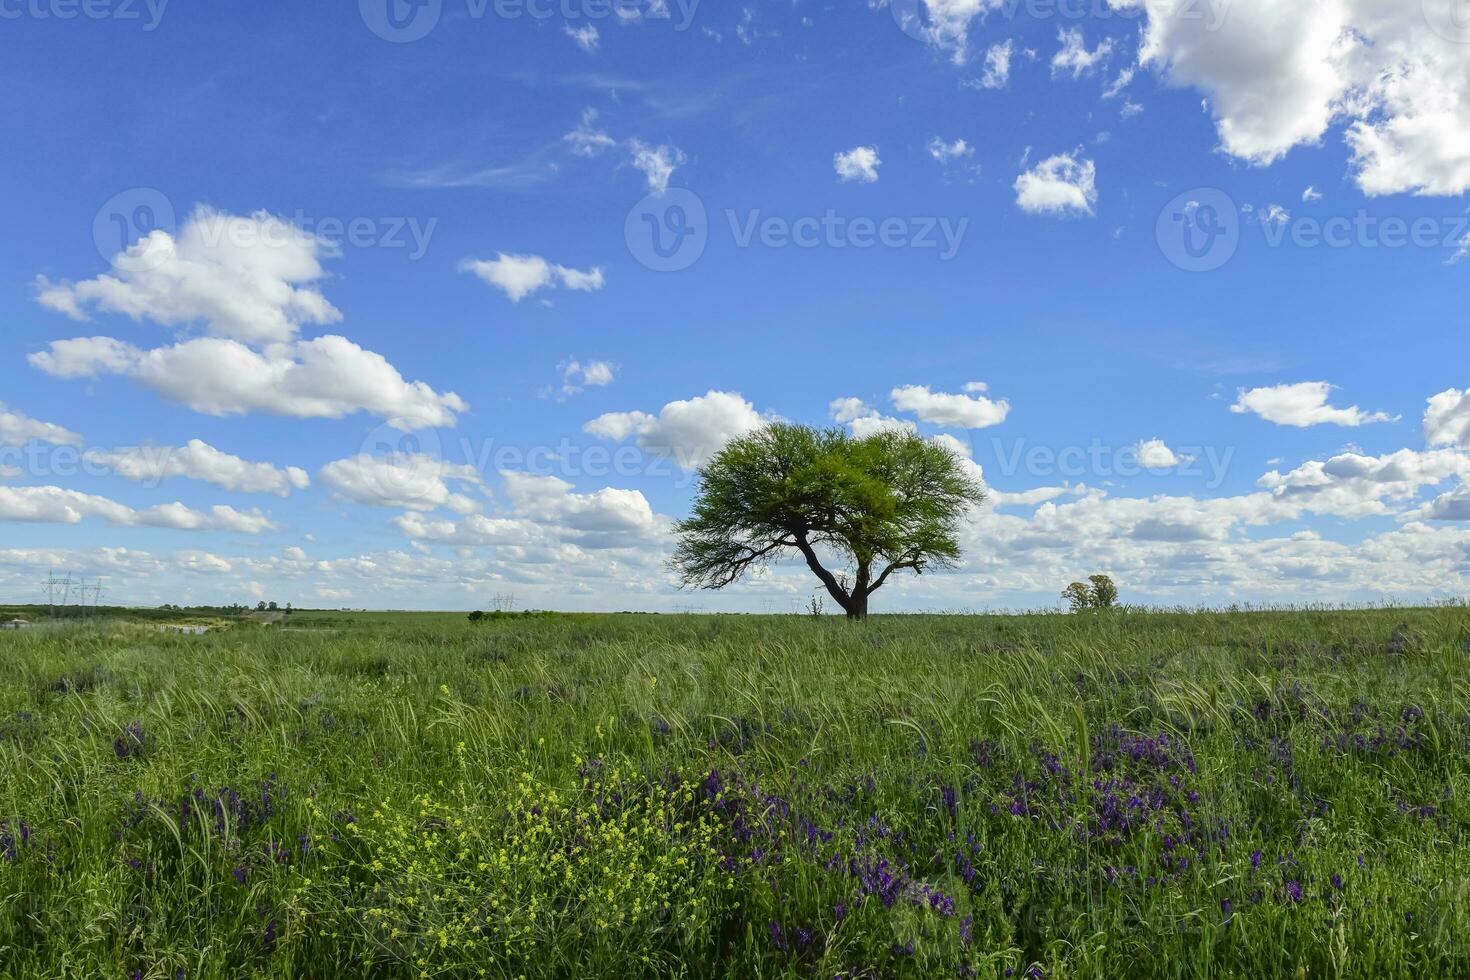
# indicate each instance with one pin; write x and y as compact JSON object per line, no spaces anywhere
{"x":1301,"y":405}
{"x":1074,"y":57}
{"x":941,"y":408}
{"x":245,"y":278}
{"x":1447,"y":419}
{"x":690,"y":431}
{"x":197,"y":460}
{"x":17,"y":429}
{"x":546,"y":519}
{"x":1357,"y":485}
{"x":864,"y":420}
{"x":249,"y":283}
{"x":1154,"y":454}
{"x":859,"y":164}
{"x":518,"y":276}
{"x":1061,"y":185}
{"x":411,"y":481}
{"x":53,"y":505}
{"x":1279,"y":75}
{"x":329,"y":377}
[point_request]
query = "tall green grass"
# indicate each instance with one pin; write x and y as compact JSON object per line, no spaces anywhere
{"x":739,"y":796}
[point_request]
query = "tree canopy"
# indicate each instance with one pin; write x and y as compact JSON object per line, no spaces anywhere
{"x":880,"y":504}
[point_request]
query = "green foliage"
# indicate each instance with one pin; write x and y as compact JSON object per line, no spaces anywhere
{"x":409,"y":795}
{"x":1078,"y":596}
{"x":1101,"y":593}
{"x":885,"y":503}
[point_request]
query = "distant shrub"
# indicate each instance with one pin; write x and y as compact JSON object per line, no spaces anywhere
{"x":1104,"y":593}
{"x":1100,"y":594}
{"x":1078,"y":596}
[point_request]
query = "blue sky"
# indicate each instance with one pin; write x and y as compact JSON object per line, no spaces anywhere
{"x":308,"y":307}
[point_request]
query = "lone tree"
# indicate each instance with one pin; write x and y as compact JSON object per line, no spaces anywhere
{"x":880,"y":504}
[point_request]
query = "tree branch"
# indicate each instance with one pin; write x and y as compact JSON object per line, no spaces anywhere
{"x":827,"y":578}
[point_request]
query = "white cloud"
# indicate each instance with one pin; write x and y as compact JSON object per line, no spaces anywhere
{"x":245,"y":278}
{"x":576,"y":375}
{"x":1279,"y":75}
{"x":1062,"y":184}
{"x":997,"y":65}
{"x":864,"y":420}
{"x":1074,"y":56}
{"x":1117,"y":85}
{"x":1301,"y":405}
{"x":587,"y":139}
{"x":198,"y":460}
{"x":608,"y":511}
{"x":518,"y":276}
{"x":548,"y":522}
{"x":858,"y":164}
{"x":53,"y":505}
{"x":657,"y":163}
{"x":249,"y":282}
{"x":1356,"y":485}
{"x":947,"y":24}
{"x":1311,"y":195}
{"x":586,"y":36}
{"x":1447,"y":419}
{"x":1154,"y":454}
{"x":329,"y":377}
{"x":410,"y":481}
{"x":17,"y":429}
{"x":949,"y":152}
{"x":940,"y":408}
{"x":690,"y":431}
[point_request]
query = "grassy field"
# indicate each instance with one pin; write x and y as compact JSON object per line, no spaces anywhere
{"x":1232,"y":794}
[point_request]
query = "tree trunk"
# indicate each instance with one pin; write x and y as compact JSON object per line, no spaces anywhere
{"x":857,"y":606}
